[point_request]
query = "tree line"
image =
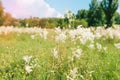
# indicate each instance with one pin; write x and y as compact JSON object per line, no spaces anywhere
{"x":99,"y":13}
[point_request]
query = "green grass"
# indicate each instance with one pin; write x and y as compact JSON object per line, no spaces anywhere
{"x":92,"y":64}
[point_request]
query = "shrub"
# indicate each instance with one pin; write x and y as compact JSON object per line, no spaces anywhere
{"x":82,"y":22}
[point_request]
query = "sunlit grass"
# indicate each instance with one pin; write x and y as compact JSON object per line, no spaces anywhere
{"x":91,"y":64}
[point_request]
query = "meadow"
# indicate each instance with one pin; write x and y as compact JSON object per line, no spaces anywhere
{"x":59,"y":54}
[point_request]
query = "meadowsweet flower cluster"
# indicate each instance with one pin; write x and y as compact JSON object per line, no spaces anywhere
{"x":77,"y":53}
{"x":30,"y":63}
{"x":91,"y":46}
{"x":117,"y":45}
{"x":27,"y":59}
{"x":33,"y":37}
{"x":60,"y":35}
{"x":81,"y":34}
{"x":55,"y":52}
{"x":109,"y":33}
{"x":99,"y":46}
{"x":41,"y":32}
{"x":73,"y":74}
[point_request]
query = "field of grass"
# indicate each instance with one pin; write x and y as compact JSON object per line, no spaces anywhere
{"x":40,"y":54}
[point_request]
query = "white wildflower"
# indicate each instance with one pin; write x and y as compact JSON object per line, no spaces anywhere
{"x":45,"y":32}
{"x":32,"y":36}
{"x":73,"y":74}
{"x":98,"y":35}
{"x":77,"y":53}
{"x":71,"y":58}
{"x":91,"y":46}
{"x":105,"y":48}
{"x":72,"y":34}
{"x":55,"y":52}
{"x":28,"y":68}
{"x":85,"y":35}
{"x":79,"y":26}
{"x":90,"y":73}
{"x":83,"y":40}
{"x":27,"y":58}
{"x":117,"y":45}
{"x":69,"y":78}
{"x":58,"y":30}
{"x":99,"y":46}
{"x":52,"y":71}
{"x":30,"y":63}
{"x":61,"y":37}
{"x":82,"y":77}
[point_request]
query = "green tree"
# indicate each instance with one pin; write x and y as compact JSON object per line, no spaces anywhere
{"x":69,"y":18}
{"x":60,"y":23}
{"x":42,"y":22}
{"x":66,"y":22}
{"x":95,"y":14}
{"x":109,"y":7}
{"x":82,"y":14}
{"x":51,"y":23}
{"x":100,"y":16}
{"x":35,"y":22}
{"x":22,"y":22}
{"x":117,"y":18}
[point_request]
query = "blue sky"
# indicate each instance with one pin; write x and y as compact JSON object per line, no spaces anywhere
{"x":43,"y":8}
{"x":73,"y":5}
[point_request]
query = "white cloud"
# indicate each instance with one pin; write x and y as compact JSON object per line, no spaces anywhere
{"x":27,"y":8}
{"x":24,"y":1}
